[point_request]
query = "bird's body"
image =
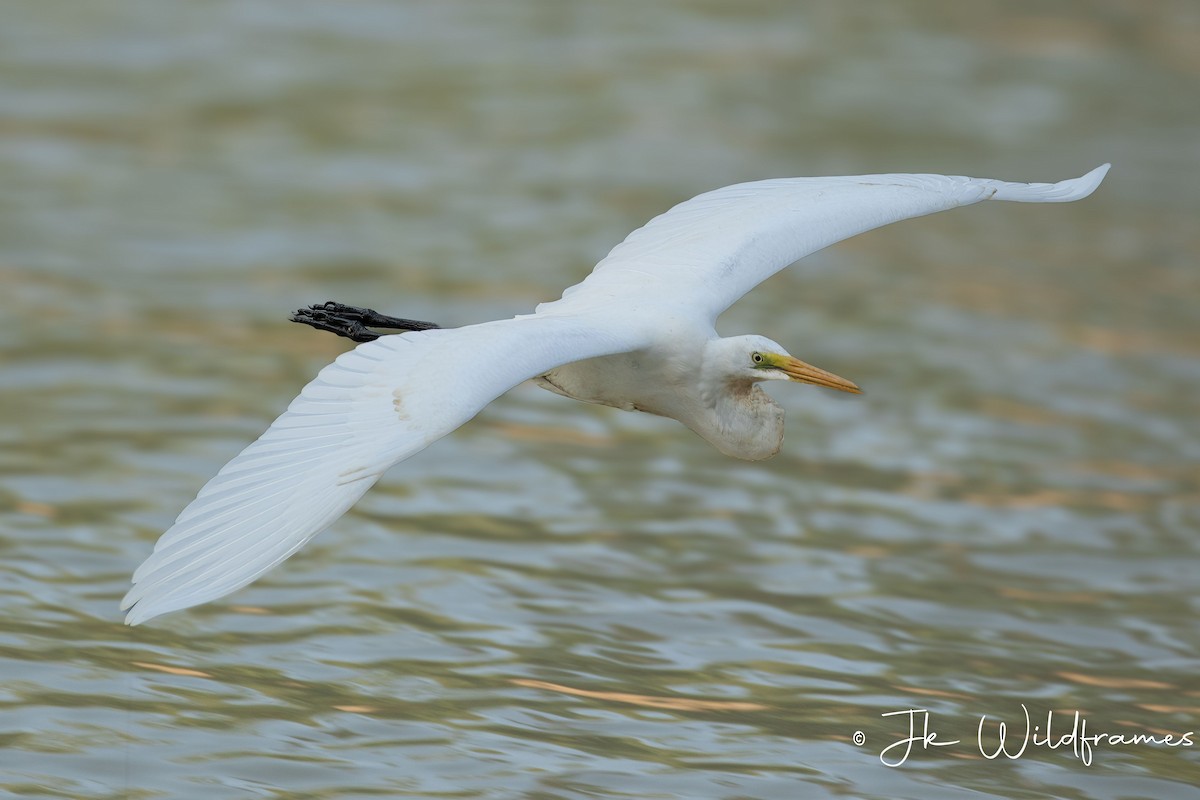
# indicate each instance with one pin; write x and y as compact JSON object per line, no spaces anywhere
{"x":638,"y":334}
{"x":732,"y":413}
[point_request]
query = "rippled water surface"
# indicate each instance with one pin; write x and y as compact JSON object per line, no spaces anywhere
{"x":562,"y":601}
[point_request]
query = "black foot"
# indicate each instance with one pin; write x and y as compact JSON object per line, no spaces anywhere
{"x":352,"y":322}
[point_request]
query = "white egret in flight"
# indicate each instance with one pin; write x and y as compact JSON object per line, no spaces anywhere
{"x":636,"y":334}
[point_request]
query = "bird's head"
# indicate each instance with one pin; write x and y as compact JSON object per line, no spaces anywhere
{"x":757,"y":358}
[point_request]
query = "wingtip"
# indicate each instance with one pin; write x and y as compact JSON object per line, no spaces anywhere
{"x":1062,"y":192}
{"x":137,"y":614}
{"x":133,"y":616}
{"x":1078,"y":188}
{"x":137,"y":611}
{"x":1086,"y":184}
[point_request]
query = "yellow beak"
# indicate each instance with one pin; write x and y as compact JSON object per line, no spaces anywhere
{"x":800,"y":371}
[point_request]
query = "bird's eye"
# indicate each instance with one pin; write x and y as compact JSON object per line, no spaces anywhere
{"x":757,"y":358}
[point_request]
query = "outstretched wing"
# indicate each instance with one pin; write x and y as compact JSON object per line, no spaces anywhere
{"x":376,"y":405}
{"x":707,"y":252}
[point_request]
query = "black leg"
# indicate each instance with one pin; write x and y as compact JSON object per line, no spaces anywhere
{"x":352,"y":322}
{"x":373,"y":318}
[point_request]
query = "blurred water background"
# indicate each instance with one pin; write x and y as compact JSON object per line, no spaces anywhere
{"x":562,"y":601}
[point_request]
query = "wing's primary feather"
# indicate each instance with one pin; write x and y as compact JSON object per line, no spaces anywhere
{"x":707,"y":252}
{"x":374,"y":406}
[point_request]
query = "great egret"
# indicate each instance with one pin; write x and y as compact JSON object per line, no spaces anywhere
{"x":636,"y":334}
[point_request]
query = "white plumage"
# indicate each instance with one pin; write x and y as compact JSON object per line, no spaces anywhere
{"x":636,"y":334}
